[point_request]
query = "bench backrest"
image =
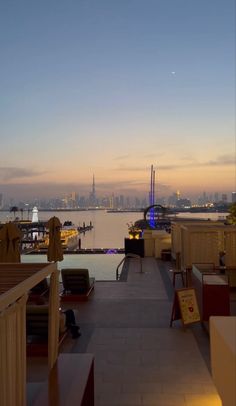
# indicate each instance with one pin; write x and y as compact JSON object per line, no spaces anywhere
{"x":75,"y":280}
{"x":37,"y":320}
{"x":40,"y":288}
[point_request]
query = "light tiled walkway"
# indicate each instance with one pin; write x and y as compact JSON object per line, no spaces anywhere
{"x":149,"y":367}
{"x":139,"y":359}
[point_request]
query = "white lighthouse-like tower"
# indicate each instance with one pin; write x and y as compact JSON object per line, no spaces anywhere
{"x":35,"y":217}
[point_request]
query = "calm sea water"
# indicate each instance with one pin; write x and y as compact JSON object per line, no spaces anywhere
{"x":109,"y":231}
{"x":101,"y":266}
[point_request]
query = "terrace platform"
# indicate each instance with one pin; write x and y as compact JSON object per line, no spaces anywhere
{"x":138,"y":359}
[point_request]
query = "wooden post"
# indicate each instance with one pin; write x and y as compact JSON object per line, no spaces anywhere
{"x":13,"y":354}
{"x":53,"y":328}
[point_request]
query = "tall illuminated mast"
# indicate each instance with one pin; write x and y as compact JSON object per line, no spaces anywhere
{"x":93,"y":187}
{"x":152,"y":197}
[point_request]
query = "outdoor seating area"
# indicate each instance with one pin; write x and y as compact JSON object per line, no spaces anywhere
{"x":118,"y":203}
{"x":38,"y":327}
{"x":159,"y":357}
{"x":203,"y":242}
{"x":39,"y":292}
{"x":16,"y":280}
{"x":30,"y":325}
{"x":139,"y":360}
{"x":76,"y":284}
{"x":37,"y":324}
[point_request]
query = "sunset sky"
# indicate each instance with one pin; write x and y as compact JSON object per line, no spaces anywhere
{"x":109,"y":87}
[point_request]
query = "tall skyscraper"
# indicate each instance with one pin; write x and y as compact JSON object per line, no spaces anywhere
{"x":233,"y":197}
{"x":92,"y":197}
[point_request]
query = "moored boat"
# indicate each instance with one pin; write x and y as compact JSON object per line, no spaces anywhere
{"x":69,"y":236}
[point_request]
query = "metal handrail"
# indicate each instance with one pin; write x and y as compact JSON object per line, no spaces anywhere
{"x":123,"y":259}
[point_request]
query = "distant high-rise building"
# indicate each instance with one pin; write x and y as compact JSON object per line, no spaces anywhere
{"x":111,"y":202}
{"x":178,"y":195}
{"x":73,"y":200}
{"x":73,"y":196}
{"x":82,"y":201}
{"x":116,"y":201}
{"x":127,"y":202}
{"x":137,"y":203}
{"x":204,"y":198}
{"x":183,"y":203}
{"x":1,"y":200}
{"x":224,"y":198}
{"x":233,"y":197}
{"x":121,"y":201}
{"x":92,"y":197}
{"x":172,"y":200}
{"x":216,"y":197}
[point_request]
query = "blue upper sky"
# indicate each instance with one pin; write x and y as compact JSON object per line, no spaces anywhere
{"x":112,"y":86}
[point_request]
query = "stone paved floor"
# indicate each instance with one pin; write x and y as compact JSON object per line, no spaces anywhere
{"x":139,"y":359}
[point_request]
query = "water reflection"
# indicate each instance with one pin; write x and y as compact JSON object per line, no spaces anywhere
{"x":100,"y":266}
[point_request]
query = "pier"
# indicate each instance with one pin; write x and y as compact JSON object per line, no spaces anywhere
{"x":84,"y":228}
{"x":34,"y":234}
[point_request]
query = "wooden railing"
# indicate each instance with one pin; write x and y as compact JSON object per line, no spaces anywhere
{"x":15,"y":282}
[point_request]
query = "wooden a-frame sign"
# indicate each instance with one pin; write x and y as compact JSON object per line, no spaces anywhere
{"x":185,"y":307}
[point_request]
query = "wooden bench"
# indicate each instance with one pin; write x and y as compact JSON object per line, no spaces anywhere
{"x":70,"y":382}
{"x":37,"y":331}
{"x":39,"y":292}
